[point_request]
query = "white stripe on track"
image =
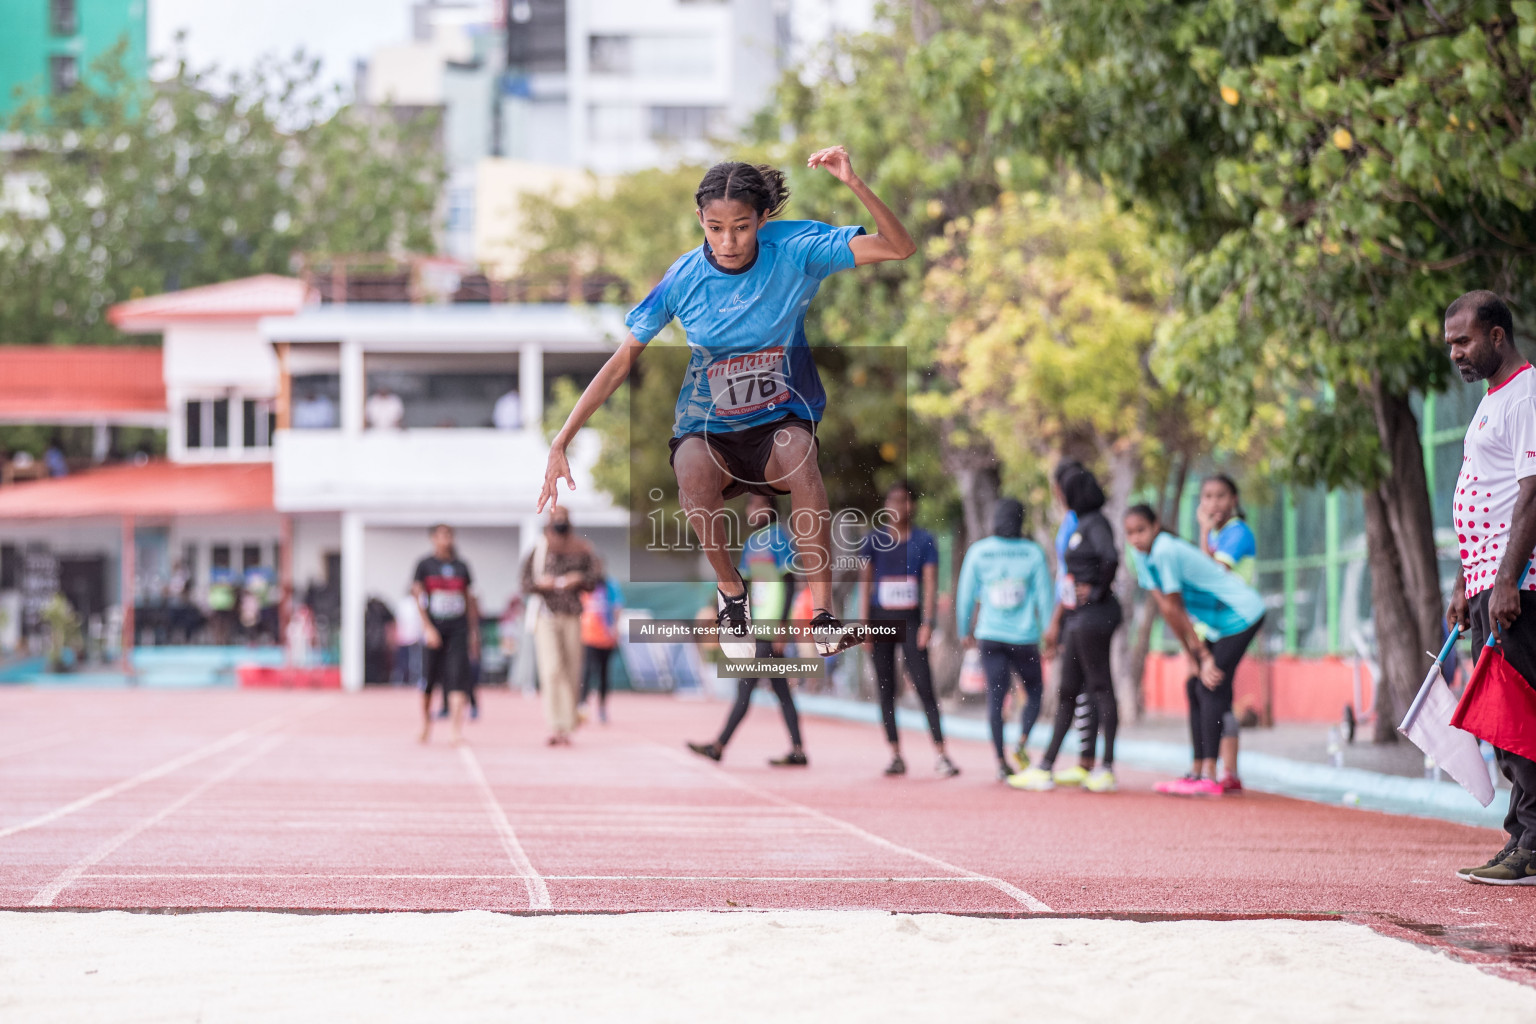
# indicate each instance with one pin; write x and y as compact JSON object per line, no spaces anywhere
{"x":42,"y":744}
{"x":1006,"y":888}
{"x":149,"y":775}
{"x":538,"y":891}
{"x":50,"y":892}
{"x":323,"y":876}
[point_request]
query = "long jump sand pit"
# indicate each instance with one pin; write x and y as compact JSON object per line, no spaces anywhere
{"x":738,"y":967}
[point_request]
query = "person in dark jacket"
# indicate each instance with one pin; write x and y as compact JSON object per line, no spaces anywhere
{"x":1087,"y":628}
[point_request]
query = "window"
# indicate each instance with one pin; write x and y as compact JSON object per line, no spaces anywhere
{"x":681,"y":124}
{"x":194,"y":424}
{"x":218,"y":556}
{"x":10,"y":561}
{"x":63,"y":73}
{"x":610,"y":55}
{"x":63,"y":17}
{"x":250,"y":557}
{"x":616,"y":123}
{"x":257,"y":419}
{"x":221,"y":423}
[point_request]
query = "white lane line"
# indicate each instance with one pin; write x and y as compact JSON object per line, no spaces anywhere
{"x":775,"y":879}
{"x":161,"y":770}
{"x":538,"y":892}
{"x":149,"y":775}
{"x":48,"y":893}
{"x":1007,"y":888}
{"x":42,"y":744}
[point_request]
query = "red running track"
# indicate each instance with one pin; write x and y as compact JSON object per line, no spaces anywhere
{"x":286,"y":800}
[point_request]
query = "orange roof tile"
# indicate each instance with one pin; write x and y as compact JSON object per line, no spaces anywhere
{"x":76,"y":382}
{"x":156,"y":489}
{"x":248,"y":298}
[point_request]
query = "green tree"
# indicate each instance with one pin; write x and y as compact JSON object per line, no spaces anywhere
{"x":123,"y":188}
{"x":1341,"y":170}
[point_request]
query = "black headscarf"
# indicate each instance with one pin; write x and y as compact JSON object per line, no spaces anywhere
{"x":1008,"y":518}
{"x":1081,"y":491}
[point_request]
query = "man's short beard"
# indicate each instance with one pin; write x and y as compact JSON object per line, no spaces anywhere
{"x":1482,"y":369}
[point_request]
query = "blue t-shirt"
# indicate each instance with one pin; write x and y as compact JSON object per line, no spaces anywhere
{"x":898,"y":583}
{"x":1010,"y":579}
{"x":751,"y":363}
{"x":1234,"y":547}
{"x":766,"y":558}
{"x":1214,"y":597}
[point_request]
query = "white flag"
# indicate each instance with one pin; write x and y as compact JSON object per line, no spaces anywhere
{"x":1428,"y":725}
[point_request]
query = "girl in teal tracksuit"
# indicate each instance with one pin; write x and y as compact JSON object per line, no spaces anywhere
{"x":1009,"y":576}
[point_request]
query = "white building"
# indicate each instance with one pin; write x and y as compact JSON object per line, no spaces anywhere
{"x":369,"y":495}
{"x":271,"y":466}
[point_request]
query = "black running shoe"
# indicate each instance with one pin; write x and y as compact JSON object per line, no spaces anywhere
{"x":896,"y":767}
{"x":734,"y":624}
{"x":793,"y":759}
{"x":1517,"y":868}
{"x":831,"y":635}
{"x":709,"y":750}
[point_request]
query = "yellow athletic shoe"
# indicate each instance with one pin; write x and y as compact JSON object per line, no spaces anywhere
{"x":1100,"y":780}
{"x":1033,"y":780}
{"x":1073,"y":776}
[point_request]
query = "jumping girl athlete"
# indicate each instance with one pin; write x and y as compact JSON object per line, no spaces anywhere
{"x":1189,"y":587}
{"x":1091,"y":560}
{"x":1008,"y":574}
{"x":750,"y":401}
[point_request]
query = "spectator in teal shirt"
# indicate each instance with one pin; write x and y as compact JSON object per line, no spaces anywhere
{"x":1009,"y":577}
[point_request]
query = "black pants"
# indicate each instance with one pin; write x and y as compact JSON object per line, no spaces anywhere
{"x":997,"y":659}
{"x":1086,"y":634}
{"x":883,"y":655}
{"x":744,"y":688}
{"x":448,"y":666}
{"x":1518,"y":643}
{"x":1210,"y":708}
{"x":596,"y":665}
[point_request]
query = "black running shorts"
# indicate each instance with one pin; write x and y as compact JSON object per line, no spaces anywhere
{"x":744,"y":454}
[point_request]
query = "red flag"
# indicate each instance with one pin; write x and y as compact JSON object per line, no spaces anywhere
{"x":1499,"y":705}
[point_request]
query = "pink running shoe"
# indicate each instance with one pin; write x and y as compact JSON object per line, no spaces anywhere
{"x":1176,"y":787}
{"x":1231,"y":784}
{"x":1204,"y":787}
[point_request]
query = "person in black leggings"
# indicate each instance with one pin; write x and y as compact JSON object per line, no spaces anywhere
{"x":766,"y":560}
{"x":900,"y":569}
{"x":1087,"y":632}
{"x":1007,"y":580}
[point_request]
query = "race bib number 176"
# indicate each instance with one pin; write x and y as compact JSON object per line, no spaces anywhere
{"x":746,"y":383}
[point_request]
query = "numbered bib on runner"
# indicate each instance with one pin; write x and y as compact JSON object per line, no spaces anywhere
{"x":1005,"y":594}
{"x":897,"y":593}
{"x":1066,"y":591}
{"x":445,"y":604}
{"x":747,"y":383}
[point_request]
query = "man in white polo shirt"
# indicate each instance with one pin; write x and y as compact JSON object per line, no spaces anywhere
{"x":1495,"y":515}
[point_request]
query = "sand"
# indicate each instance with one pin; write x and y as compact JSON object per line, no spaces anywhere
{"x":775,"y":967}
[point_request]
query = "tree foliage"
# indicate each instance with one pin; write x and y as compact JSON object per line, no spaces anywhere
{"x":123,"y":188}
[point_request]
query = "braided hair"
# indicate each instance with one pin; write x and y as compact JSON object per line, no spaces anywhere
{"x":762,"y":187}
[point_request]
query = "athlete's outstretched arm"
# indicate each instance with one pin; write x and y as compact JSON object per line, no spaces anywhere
{"x":614,"y":372}
{"x":890,"y":240}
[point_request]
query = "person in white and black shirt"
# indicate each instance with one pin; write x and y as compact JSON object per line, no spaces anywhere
{"x":1495,"y":517}
{"x":450,"y":628}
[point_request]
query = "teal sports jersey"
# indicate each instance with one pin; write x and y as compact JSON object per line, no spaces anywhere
{"x":751,"y":363}
{"x":1011,"y":579}
{"x":1234,"y":547}
{"x":1214,"y":597}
